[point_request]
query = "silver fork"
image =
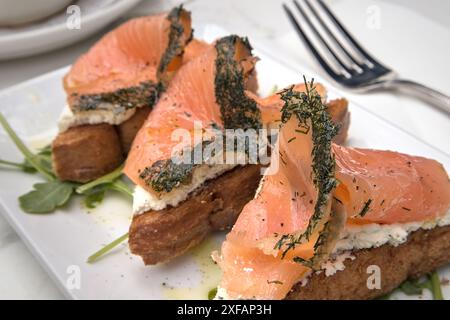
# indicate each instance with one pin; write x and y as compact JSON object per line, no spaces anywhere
{"x":352,"y":66}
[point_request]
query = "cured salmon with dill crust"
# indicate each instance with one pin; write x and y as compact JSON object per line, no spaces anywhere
{"x":128,"y":64}
{"x":292,"y":226}
{"x":208,"y":89}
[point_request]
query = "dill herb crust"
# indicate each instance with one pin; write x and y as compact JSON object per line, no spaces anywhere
{"x":144,"y":94}
{"x":176,"y":46}
{"x":237,"y":110}
{"x":164,"y":175}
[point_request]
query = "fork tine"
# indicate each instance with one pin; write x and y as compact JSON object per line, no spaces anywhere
{"x":322,"y":40}
{"x":308,"y":43}
{"x":349,"y":55}
{"x":344,"y":31}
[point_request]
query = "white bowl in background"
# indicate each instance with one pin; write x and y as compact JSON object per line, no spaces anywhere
{"x":19,"y":12}
{"x":53,"y":33}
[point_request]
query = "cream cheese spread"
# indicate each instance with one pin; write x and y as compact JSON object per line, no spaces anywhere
{"x":104,"y":114}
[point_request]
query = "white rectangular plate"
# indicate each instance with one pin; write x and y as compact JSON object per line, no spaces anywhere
{"x":63,"y":240}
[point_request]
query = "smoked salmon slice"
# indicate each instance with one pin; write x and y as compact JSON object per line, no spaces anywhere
{"x":314,"y":189}
{"x":128,"y":66}
{"x":208,"y":90}
{"x":390,"y":187}
{"x":194,"y":49}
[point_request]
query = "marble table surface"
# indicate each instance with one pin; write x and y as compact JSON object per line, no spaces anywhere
{"x":411,"y":35}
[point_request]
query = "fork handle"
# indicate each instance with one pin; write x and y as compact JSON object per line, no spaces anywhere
{"x":427,"y":94}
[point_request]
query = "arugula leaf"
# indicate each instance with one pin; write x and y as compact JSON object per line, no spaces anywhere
{"x":34,"y":160}
{"x":95,"y":197}
{"x":432,"y":283}
{"x":44,"y":157}
{"x":25,"y":166}
{"x":212,"y":294}
{"x":94,"y":257}
{"x":411,"y":287}
{"x":46,"y":196}
{"x":108,"y":178}
{"x":45,"y":151}
{"x":435,"y":284}
{"x":122,"y":187}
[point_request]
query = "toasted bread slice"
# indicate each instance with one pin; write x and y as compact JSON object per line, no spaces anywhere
{"x":128,"y":129}
{"x":158,"y":236}
{"x":86,"y":152}
{"x":424,"y":251}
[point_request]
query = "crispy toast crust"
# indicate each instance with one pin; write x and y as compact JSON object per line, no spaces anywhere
{"x":87,"y":152}
{"x":424,"y":251}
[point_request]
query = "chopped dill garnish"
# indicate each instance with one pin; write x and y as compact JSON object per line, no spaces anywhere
{"x":304,"y":131}
{"x":306,"y":263}
{"x":312,"y":114}
{"x":366,"y":208}
{"x":275,"y":282}
{"x":292,"y":139}
{"x":337,"y":200}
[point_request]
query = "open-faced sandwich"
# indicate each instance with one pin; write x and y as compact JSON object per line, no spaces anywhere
{"x":330,"y":217}
{"x":176,"y":205}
